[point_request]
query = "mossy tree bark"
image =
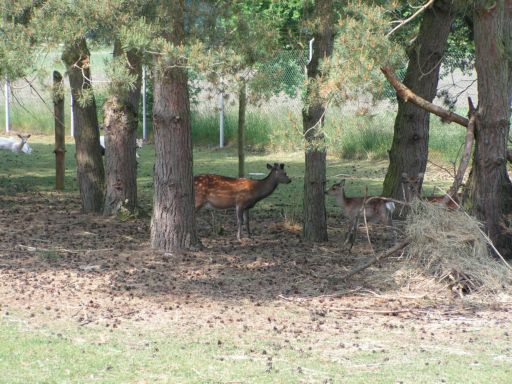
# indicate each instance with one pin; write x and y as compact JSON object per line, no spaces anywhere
{"x":490,"y":190}
{"x":60,"y":134}
{"x":173,"y":225}
{"x":120,"y":124}
{"x":315,"y":221}
{"x":409,"y":150}
{"x":89,"y":162}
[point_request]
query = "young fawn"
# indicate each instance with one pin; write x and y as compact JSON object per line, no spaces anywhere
{"x":411,"y":186}
{"x":375,"y":207}
{"x":221,"y":192}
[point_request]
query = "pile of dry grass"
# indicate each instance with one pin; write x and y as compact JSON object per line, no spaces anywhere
{"x":449,"y":246}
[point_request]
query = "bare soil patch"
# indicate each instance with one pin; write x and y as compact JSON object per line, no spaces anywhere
{"x":57,"y":262}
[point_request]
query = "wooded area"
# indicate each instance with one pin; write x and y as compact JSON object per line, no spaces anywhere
{"x":228,"y":40}
{"x":355,"y":206}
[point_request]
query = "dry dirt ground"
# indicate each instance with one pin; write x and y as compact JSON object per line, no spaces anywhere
{"x":56,"y":262}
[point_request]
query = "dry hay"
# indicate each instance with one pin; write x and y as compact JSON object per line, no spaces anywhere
{"x":449,"y":246}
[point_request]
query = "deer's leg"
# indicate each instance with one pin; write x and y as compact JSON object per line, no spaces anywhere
{"x":350,"y":237}
{"x":387,"y":219}
{"x":239,"y":221}
{"x":246,"y":220}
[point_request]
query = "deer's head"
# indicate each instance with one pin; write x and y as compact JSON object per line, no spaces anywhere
{"x":336,"y":189}
{"x":279,"y":173}
{"x":23,"y":146}
{"x":411,"y":186}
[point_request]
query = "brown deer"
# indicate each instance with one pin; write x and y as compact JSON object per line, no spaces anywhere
{"x":374,"y":208}
{"x":411,"y":186}
{"x":221,"y":192}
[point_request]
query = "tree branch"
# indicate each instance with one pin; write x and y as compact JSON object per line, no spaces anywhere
{"x":409,"y":96}
{"x":403,"y":22}
{"x":464,"y":162}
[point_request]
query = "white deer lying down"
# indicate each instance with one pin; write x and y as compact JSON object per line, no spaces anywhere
{"x":139,"y":143}
{"x":13,"y":145}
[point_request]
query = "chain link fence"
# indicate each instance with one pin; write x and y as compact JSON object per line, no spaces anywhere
{"x":274,"y":113}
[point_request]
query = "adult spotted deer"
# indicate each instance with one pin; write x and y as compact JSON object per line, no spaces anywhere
{"x":374,"y":208}
{"x":16,"y":146}
{"x":221,"y":192}
{"x":411,"y":187}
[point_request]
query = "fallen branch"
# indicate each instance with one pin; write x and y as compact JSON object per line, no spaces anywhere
{"x":373,"y":260}
{"x":464,"y":162}
{"x":407,"y":95}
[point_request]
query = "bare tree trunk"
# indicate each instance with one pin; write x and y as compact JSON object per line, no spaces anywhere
{"x":315,"y":223}
{"x":409,"y":150}
{"x":89,"y":162}
{"x":242,"y":106}
{"x":120,"y":124}
{"x":490,"y":187}
{"x":173,"y":226}
{"x":60,"y":144}
{"x":508,"y":45}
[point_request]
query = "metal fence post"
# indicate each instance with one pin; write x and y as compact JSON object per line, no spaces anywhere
{"x":221,"y":119}
{"x":144,"y":106}
{"x":7,"y":106}
{"x":72,"y":125}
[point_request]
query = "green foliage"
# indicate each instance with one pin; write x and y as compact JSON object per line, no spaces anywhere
{"x":360,"y":49}
{"x":121,"y":80}
{"x":282,"y":73}
{"x":16,"y":53}
{"x":460,"y":51}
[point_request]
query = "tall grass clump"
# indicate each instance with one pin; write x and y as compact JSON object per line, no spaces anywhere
{"x":34,"y":118}
{"x":264,"y":131}
{"x":445,"y":140}
{"x":361,"y":138}
{"x":205,"y":128}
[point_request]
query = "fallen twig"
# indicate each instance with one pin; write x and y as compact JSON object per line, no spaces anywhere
{"x":375,"y":311}
{"x":112,"y":317}
{"x":373,"y":260}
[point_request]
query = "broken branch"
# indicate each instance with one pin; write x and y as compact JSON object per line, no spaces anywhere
{"x":409,"y":96}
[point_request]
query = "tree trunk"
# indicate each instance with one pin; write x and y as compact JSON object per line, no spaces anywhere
{"x":315,"y":223}
{"x":89,"y":163}
{"x":120,"y":124}
{"x":60,"y":144}
{"x":490,"y":187}
{"x":508,"y":45}
{"x":173,"y":225}
{"x":242,"y":104}
{"x":409,"y":150}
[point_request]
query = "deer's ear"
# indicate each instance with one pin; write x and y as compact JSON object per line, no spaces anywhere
{"x":342,"y":182}
{"x":28,"y":136}
{"x":21,"y":137}
{"x":269,"y":166}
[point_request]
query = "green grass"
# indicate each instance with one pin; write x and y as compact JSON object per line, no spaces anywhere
{"x":68,"y":353}
{"x":38,"y":350}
